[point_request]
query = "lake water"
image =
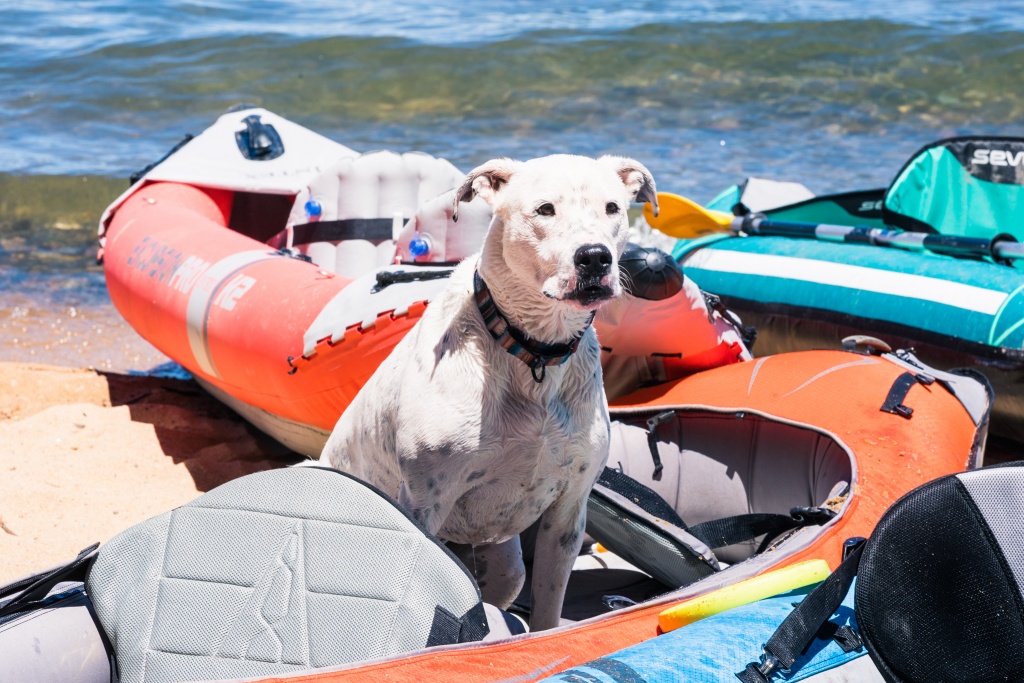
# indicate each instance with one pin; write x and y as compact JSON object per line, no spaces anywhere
{"x":836,"y":95}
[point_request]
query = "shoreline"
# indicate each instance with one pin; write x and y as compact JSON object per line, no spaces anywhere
{"x":85,"y":454}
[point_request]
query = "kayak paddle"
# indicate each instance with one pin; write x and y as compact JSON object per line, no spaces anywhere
{"x":685,"y":219}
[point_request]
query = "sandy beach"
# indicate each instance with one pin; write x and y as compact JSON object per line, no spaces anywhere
{"x":86,"y":454}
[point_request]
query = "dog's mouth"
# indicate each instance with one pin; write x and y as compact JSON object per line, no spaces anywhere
{"x":590,"y":292}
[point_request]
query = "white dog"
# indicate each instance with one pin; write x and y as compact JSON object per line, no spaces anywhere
{"x":490,"y":414}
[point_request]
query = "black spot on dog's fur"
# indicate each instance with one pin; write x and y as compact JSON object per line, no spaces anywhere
{"x":568,"y":540}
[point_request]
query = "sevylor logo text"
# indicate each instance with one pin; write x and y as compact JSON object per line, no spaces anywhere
{"x":997,"y":157}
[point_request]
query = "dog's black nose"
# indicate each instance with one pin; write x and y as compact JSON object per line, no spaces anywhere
{"x":593,"y":261}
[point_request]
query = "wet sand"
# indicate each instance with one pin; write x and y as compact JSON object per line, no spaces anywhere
{"x":93,"y":336}
{"x":84,"y":454}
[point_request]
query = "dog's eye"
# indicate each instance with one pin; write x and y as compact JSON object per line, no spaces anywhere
{"x":546,"y":209}
{"x":612,"y":208}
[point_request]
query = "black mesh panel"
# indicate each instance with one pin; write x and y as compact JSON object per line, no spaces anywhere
{"x":934,"y":600}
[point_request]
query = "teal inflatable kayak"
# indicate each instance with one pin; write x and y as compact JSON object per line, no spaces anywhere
{"x":955,"y":311}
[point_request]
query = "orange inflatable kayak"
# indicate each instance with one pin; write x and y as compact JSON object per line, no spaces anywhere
{"x":793,"y":429}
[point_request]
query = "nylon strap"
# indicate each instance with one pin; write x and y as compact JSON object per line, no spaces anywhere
{"x":35,"y":592}
{"x":537,"y":355}
{"x":716,"y":533}
{"x":343,"y":229}
{"x":798,"y":629}
{"x":898,"y":393}
{"x":648,"y":501}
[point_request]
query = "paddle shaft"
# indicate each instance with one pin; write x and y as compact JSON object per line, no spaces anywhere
{"x":955,"y":245}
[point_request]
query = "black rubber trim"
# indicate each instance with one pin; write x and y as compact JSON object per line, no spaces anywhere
{"x":137,"y":176}
{"x":386,"y":278}
{"x":877,"y":194}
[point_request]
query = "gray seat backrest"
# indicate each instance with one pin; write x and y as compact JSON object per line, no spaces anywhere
{"x":275,"y":572}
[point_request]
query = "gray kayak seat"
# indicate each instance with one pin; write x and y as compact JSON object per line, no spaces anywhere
{"x":275,"y":572}
{"x":715,"y":466}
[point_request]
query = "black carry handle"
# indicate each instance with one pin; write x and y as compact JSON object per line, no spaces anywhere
{"x":259,"y":141}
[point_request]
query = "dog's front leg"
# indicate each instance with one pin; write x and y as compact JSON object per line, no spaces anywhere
{"x":497,"y":567}
{"x":559,"y":540}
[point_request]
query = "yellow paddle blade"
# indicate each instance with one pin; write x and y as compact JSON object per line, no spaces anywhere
{"x":684,"y":218}
{"x":743,"y":593}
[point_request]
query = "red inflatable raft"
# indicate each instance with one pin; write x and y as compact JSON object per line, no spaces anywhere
{"x":281,"y":282}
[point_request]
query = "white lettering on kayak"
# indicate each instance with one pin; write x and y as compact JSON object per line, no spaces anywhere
{"x":187,"y":274}
{"x":233,"y":291}
{"x":997,"y":157}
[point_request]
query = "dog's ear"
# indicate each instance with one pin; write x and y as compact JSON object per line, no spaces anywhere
{"x":485,"y":180}
{"x":637,"y":179}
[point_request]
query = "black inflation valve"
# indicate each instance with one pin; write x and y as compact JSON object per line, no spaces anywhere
{"x":649,"y":273}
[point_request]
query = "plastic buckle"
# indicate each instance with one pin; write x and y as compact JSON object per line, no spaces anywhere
{"x":851,"y":544}
{"x":816,"y":516}
{"x":903,"y":410}
{"x":614,"y":602}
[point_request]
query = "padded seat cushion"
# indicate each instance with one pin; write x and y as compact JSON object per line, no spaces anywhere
{"x":274,"y":572}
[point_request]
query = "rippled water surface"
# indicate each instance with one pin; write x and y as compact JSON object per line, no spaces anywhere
{"x":833,"y":94}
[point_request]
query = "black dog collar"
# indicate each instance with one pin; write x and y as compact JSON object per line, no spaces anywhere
{"x":535,"y":354}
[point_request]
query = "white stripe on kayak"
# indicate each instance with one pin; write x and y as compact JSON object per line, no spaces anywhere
{"x":197,"y":314}
{"x":906,"y":285}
